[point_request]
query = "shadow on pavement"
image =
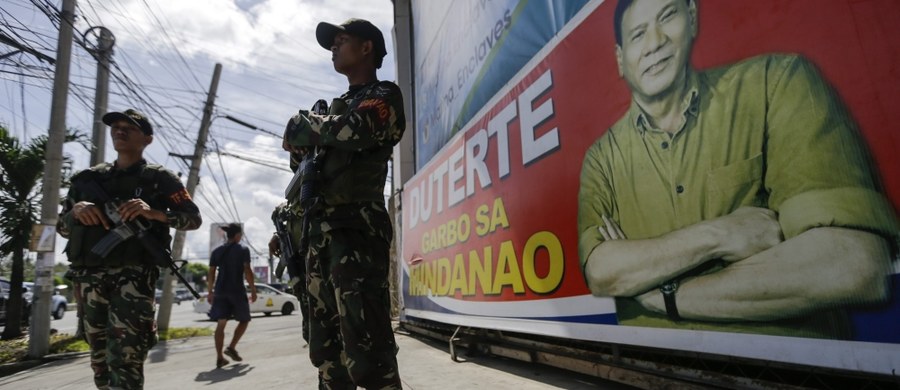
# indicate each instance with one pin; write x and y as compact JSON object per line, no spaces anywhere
{"x":217,"y":375}
{"x":157,"y":354}
{"x":160,"y":352}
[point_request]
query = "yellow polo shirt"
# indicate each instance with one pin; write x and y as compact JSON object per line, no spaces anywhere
{"x":765,"y":132}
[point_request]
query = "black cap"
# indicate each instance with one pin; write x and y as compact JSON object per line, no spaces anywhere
{"x":231,"y":229}
{"x":131,"y":116}
{"x":364,"y":29}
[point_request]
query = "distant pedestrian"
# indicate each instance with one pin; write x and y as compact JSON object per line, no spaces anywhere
{"x":229,"y":296}
{"x":348,"y":227}
{"x":114,"y":277}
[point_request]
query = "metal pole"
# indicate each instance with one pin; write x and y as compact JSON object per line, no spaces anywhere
{"x":269,"y":278}
{"x":104,"y":52}
{"x":39,"y":341}
{"x":165,"y":305}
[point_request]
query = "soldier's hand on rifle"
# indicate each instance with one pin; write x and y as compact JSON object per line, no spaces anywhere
{"x":89,"y":214}
{"x":275,"y":245}
{"x":134,"y":208}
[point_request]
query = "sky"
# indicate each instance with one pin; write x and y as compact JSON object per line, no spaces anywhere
{"x":164,"y":55}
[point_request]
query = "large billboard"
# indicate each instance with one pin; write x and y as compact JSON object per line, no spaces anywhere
{"x":719,"y":177}
{"x":466,"y":51}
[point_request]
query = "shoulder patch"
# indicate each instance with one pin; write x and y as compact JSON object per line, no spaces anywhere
{"x":383,"y":88}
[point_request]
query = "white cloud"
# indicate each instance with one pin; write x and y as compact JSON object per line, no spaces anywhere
{"x":275,"y":34}
{"x":272,"y":66}
{"x":255,"y":192}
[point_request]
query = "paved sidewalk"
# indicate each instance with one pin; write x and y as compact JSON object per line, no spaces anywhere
{"x":274,"y":357}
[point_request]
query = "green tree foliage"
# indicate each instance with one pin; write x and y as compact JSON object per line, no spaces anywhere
{"x":6,"y":264}
{"x":21,"y":170}
{"x":198,"y":273}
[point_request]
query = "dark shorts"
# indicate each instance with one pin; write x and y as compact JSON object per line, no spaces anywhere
{"x":228,"y":306}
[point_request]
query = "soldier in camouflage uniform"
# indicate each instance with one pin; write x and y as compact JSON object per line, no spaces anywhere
{"x":291,"y":215}
{"x":351,"y":339}
{"x":116,"y":292}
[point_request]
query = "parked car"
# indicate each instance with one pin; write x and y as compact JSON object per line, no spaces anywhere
{"x":268,"y":301}
{"x":4,"y":298}
{"x":283,"y":287}
{"x":182,"y":295}
{"x":58,"y":303}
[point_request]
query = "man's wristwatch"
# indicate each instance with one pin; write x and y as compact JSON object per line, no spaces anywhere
{"x":668,"y":292}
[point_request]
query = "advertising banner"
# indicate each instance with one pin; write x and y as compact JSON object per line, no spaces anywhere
{"x":718,"y":177}
{"x":466,"y":51}
{"x":262,"y":273}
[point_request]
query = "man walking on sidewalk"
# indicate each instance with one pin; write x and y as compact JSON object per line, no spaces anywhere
{"x":229,"y":296}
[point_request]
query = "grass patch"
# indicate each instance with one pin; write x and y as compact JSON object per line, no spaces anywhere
{"x":183,"y":333}
{"x":67,"y":343}
{"x":12,"y":351}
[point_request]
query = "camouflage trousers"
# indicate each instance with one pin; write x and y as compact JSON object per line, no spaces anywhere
{"x":351,"y":339}
{"x":300,"y":291}
{"x":119,"y":323}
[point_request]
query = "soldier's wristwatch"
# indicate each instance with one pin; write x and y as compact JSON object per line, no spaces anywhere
{"x":668,"y":292}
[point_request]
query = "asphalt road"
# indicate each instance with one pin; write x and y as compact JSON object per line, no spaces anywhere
{"x":275,"y":357}
{"x":182,"y":316}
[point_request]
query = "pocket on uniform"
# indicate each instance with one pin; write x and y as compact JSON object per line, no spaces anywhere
{"x":364,"y":305}
{"x":735,"y":185}
{"x":74,"y":245}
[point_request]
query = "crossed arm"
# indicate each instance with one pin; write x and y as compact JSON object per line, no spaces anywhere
{"x":766,"y":278}
{"x":374,"y":122}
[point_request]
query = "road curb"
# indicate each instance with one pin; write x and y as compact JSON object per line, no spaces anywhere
{"x":7,"y":369}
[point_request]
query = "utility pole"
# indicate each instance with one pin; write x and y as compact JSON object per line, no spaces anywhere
{"x":103,"y":52}
{"x":165,"y":304}
{"x":39,"y":332}
{"x":269,"y":278}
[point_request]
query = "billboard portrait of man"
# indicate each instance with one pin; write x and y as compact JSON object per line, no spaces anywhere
{"x":740,"y":198}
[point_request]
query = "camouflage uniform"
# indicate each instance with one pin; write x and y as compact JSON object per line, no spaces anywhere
{"x":116,"y":292}
{"x":293,"y":216}
{"x":351,"y":339}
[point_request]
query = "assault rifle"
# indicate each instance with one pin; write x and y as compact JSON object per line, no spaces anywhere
{"x":306,"y":163}
{"x":289,"y":258}
{"x":304,"y":187}
{"x":138,"y":228}
{"x":310,"y":189}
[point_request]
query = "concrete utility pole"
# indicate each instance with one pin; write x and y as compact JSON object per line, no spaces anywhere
{"x":39,"y":341}
{"x":270,"y":276}
{"x":103,"y":52}
{"x":165,"y":304}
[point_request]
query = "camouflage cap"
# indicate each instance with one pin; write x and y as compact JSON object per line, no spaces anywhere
{"x":361,"y":28}
{"x":131,"y":116}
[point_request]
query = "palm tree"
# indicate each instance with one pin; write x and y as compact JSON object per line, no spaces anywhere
{"x":21,"y":169}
